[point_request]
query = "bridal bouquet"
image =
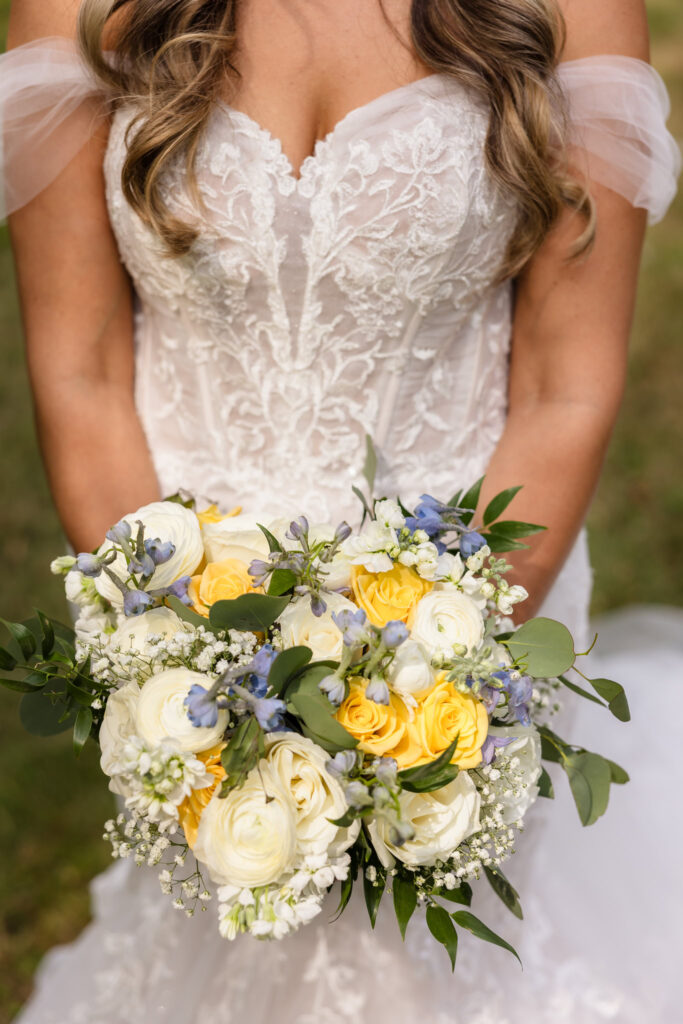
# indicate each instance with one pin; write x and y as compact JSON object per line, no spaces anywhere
{"x":286,"y":705}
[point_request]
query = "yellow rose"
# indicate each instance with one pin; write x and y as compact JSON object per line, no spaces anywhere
{"x":385,"y":596}
{"x":220,"y":581}
{"x":444,"y":713}
{"x":190,"y":810}
{"x":381,"y":729}
{"x":213,"y":515}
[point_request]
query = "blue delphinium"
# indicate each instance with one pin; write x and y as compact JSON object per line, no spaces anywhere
{"x":377,"y":690}
{"x":394,"y":634}
{"x":202,"y":709}
{"x":159,"y":551}
{"x":135,"y":602}
{"x":352,"y":625}
{"x":519,"y":690}
{"x":470,"y":543}
{"x":491,"y":744}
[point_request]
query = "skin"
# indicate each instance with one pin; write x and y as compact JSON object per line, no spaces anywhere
{"x":304,"y":65}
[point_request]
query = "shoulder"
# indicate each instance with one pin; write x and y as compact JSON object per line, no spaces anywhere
{"x":36,"y":19}
{"x":610,"y":26}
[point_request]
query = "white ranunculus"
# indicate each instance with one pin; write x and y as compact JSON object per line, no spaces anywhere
{"x":235,"y":537}
{"x":441,"y":819}
{"x":299,"y":765}
{"x":410,"y":671}
{"x":526,"y":748}
{"x":446,"y":617}
{"x":167,"y":521}
{"x":300,"y":626}
{"x":132,"y":634}
{"x":118,"y":725}
{"x":161,"y":713}
{"x":248,"y":838}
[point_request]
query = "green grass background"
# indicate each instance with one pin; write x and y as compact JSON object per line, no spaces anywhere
{"x":52,"y":807}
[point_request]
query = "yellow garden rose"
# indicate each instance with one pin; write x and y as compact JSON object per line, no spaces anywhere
{"x":190,"y":810}
{"x":443,"y":713}
{"x":385,"y":596}
{"x":212,"y":514}
{"x":220,"y":581}
{"x":381,"y":729}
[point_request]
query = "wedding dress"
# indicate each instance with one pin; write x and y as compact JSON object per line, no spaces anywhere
{"x":356,"y":295}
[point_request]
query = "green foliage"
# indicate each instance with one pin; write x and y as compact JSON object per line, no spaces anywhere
{"x":287,"y":665}
{"x":248,"y":612}
{"x":467,"y":920}
{"x":469,"y":501}
{"x":442,"y":928}
{"x":305,"y":698}
{"x":504,"y":890}
{"x":273,"y":542}
{"x":544,"y":646}
{"x":405,"y":901}
{"x":281,"y":581}
{"x":370,"y":464}
{"x":590,"y":775}
{"x":497,"y":505}
{"x":434,"y":775}
{"x":243,"y":751}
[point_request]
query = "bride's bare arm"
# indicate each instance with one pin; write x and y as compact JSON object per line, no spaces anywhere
{"x":569,"y":352}
{"x":77,"y":310}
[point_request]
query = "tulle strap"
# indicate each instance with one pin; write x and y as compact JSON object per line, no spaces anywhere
{"x":618,"y":108}
{"x":49,"y":107}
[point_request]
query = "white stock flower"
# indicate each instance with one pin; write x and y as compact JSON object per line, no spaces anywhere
{"x":161,"y":714}
{"x":526,"y":749}
{"x":410,"y":671}
{"x":248,"y":838}
{"x":299,"y":765}
{"x":300,"y":626}
{"x":446,"y":618}
{"x":132,"y":633}
{"x":235,"y":537}
{"x":118,"y":725}
{"x":441,"y":820}
{"x":388,"y":513}
{"x":167,"y":521}
{"x":509,"y":598}
{"x":374,"y":548}
{"x":472,"y":586}
{"x":449,"y":568}
{"x":476,"y":561}
{"x":92,"y":622}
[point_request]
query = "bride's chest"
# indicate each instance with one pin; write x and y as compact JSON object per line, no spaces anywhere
{"x":396,"y":205}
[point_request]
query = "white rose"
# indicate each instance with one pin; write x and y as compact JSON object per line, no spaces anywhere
{"x":132,"y":634}
{"x":445,"y":617}
{"x":161,"y":713}
{"x":299,"y":765}
{"x":167,"y":521}
{"x":249,"y":837}
{"x":300,"y":626}
{"x":118,"y":725}
{"x":235,"y":537}
{"x":442,"y":820}
{"x":526,"y":747}
{"x":410,"y":671}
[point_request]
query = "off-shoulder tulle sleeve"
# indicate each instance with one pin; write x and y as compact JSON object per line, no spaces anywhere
{"x":618,"y":108}
{"x":49,"y":106}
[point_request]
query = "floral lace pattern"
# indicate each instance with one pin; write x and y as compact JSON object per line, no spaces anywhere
{"x":356,"y":299}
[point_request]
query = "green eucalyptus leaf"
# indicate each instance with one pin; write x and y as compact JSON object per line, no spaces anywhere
{"x":579,"y":689}
{"x":23,"y":637}
{"x":545,"y":785}
{"x":470,"y":500}
{"x":281,"y":580}
{"x":286,"y":665}
{"x":373,"y":894}
{"x":499,"y":504}
{"x":405,"y":901}
{"x":615,"y":696}
{"x":440,"y":925}
{"x":467,"y":920}
{"x":316,"y":715}
{"x":248,"y":613}
{"x":619,"y":775}
{"x":187,"y":614}
{"x":544,"y":646}
{"x":589,"y":779}
{"x":273,"y":542}
{"x":504,"y":890}
{"x":82,"y":727}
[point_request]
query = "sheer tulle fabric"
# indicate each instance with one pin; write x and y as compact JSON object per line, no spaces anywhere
{"x":49,"y":103}
{"x":618,"y":108}
{"x":49,"y":106}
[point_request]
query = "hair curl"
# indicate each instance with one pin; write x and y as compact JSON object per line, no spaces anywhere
{"x":174,"y":60}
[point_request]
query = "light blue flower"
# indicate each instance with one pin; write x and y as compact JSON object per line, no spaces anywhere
{"x":269,"y":712}
{"x":470,"y":543}
{"x":357,"y":795}
{"x":201,"y":709}
{"x":159,"y":551}
{"x":353,"y":626}
{"x":343,"y":762}
{"x":334,"y":687}
{"x":377,"y":690}
{"x":386,"y":769}
{"x":89,"y":565}
{"x":394,"y":634}
{"x":135,"y":602}
{"x":120,"y":533}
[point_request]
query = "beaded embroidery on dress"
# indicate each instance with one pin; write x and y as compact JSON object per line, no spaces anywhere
{"x":356,"y":296}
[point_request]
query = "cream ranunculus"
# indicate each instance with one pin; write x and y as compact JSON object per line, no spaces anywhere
{"x":410,"y":672}
{"x":118,"y":725}
{"x":235,"y":537}
{"x":446,"y":619}
{"x":300,"y":626}
{"x":167,"y":521}
{"x":441,"y":820}
{"x":248,"y":838}
{"x":161,"y":712}
{"x":132,"y":634}
{"x":299,"y":765}
{"x":526,"y":748}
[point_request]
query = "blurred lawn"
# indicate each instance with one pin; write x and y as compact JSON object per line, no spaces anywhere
{"x":52,"y":807}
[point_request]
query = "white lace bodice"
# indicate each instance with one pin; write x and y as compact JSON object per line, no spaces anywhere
{"x":357,"y":298}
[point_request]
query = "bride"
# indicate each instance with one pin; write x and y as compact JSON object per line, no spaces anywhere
{"x":249,"y":233}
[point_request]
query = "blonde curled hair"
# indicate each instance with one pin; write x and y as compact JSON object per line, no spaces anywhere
{"x":174,"y":58}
